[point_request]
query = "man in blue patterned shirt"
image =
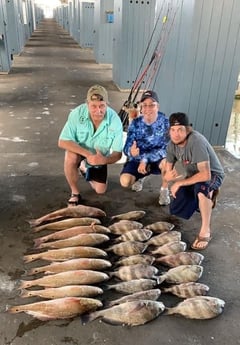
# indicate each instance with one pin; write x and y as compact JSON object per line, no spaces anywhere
{"x":145,"y":147}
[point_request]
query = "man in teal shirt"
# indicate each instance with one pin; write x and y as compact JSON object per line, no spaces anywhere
{"x":92,"y":138}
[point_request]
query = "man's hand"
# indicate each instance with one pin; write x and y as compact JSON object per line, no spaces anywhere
{"x":142,"y":168}
{"x":172,"y":175}
{"x":96,"y":159}
{"x":134,"y":150}
{"x":175,"y":187}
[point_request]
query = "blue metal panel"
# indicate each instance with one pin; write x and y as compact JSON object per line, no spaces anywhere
{"x":86,"y":24}
{"x":103,"y":31}
{"x":5,"y":55}
{"x":13,"y":27}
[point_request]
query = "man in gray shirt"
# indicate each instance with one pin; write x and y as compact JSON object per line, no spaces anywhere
{"x":196,"y":174}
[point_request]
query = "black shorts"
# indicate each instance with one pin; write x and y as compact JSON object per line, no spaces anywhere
{"x":98,"y":174}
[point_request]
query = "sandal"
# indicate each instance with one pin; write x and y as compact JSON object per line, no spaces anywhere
{"x":75,"y":202}
{"x":200,"y":239}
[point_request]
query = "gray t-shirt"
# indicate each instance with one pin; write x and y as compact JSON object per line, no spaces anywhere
{"x":196,"y":150}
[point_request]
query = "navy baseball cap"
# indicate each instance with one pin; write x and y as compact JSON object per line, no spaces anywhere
{"x":149,"y":94}
{"x":178,"y":119}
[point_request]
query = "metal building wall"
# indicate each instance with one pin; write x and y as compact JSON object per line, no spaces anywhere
{"x":5,"y":54}
{"x":103,"y":31}
{"x":86,"y":24}
{"x":201,"y":65}
{"x":14,"y":27}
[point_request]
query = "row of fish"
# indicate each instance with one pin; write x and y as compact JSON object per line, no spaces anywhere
{"x":77,"y":267}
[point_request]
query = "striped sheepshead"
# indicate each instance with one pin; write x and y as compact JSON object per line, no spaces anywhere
{"x":187,"y":290}
{"x":60,"y":308}
{"x":67,"y":278}
{"x":140,"y":235}
{"x":182,"y":258}
{"x":95,"y":264}
{"x":67,"y":223}
{"x":199,"y":307}
{"x":123,"y":226}
{"x":170,"y":248}
{"x":165,"y":237}
{"x":152,"y":294}
{"x":91,"y":240}
{"x":132,"y":286}
{"x":64,"y":291}
{"x":137,"y":271}
{"x":182,"y":274}
{"x":70,"y":232}
{"x":135,"y":259}
{"x":63,"y":254}
{"x":160,"y":226}
{"x":132,"y":313}
{"x":128,"y":248}
{"x":73,"y":212}
{"x":131,"y":215}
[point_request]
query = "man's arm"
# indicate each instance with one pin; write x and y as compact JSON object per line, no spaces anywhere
{"x":72,"y":146}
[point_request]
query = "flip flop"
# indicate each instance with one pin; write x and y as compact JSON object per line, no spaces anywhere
{"x":199,"y":239}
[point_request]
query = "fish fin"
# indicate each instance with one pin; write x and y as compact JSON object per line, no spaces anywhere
{"x":168,"y":311}
{"x":110,"y":321}
{"x":85,"y":318}
{"x":160,"y":279}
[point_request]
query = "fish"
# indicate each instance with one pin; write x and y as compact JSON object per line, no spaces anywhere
{"x":67,"y":223}
{"x":152,"y":294}
{"x":124,"y":226}
{"x":160,"y":226}
{"x":181,"y":258}
{"x":72,"y":211}
{"x":73,"y":231}
{"x":182,"y":274}
{"x":59,"y":308}
{"x":82,"y":277}
{"x":91,"y":240}
{"x":137,"y":271}
{"x":133,"y":313}
{"x":127,"y":248}
{"x":64,"y":291}
{"x":131,"y":215}
{"x":70,"y":265}
{"x":187,"y":290}
{"x":136,"y":259}
{"x":63,"y":254}
{"x":170,"y":248}
{"x":165,"y":237}
{"x":199,"y":307}
{"x":140,"y":235}
{"x":132,"y":286}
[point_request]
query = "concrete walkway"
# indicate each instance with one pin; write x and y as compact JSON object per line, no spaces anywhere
{"x":47,"y":80}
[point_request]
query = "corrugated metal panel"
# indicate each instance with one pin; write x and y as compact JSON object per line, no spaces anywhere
{"x":5,"y":55}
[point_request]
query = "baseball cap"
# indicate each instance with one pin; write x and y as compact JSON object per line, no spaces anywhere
{"x":149,"y":94}
{"x":97,"y":92}
{"x":178,"y":119}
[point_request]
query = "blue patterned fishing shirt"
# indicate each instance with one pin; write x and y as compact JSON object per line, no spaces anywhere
{"x":151,"y":139}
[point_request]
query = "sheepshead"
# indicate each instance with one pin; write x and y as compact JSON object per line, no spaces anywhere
{"x":140,"y":235}
{"x":152,"y":295}
{"x":123,"y":226}
{"x":131,"y":313}
{"x":82,"y":277}
{"x":187,"y":290}
{"x":160,"y":226}
{"x":128,"y":248}
{"x":70,"y":232}
{"x":59,"y":308}
{"x":67,"y":223}
{"x":199,"y":307}
{"x":182,"y":274}
{"x":165,"y":237}
{"x":63,"y":254}
{"x":64,"y":291}
{"x":137,"y":271}
{"x":170,"y":248}
{"x":91,"y":240}
{"x":135,"y":259}
{"x":131,"y":215}
{"x":73,"y":212}
{"x":182,"y":258}
{"x":73,"y":264}
{"x":132,"y":286}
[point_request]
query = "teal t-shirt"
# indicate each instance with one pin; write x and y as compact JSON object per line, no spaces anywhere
{"x":107,"y":138}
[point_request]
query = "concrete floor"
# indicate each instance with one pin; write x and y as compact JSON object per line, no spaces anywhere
{"x":46,"y":81}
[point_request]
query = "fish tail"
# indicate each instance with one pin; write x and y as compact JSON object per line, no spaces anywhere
{"x":168,"y":311}
{"x":160,"y":279}
{"x":37,"y":242}
{"x":32,"y":222}
{"x":25,"y":293}
{"x":89,"y":317}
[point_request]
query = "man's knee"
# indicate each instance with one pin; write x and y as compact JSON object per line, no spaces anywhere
{"x":72,"y":158}
{"x":126,"y":180}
